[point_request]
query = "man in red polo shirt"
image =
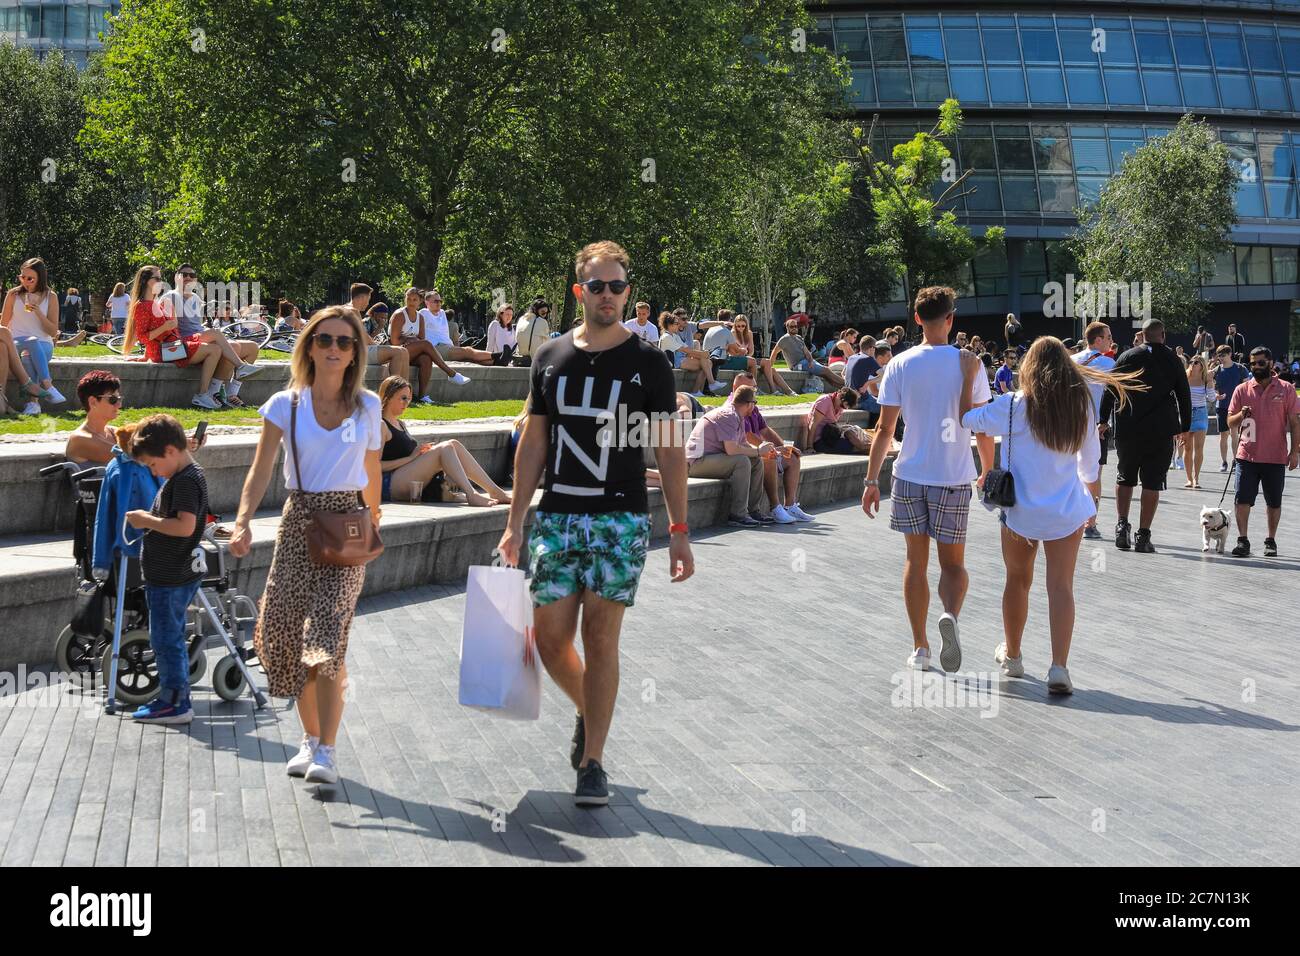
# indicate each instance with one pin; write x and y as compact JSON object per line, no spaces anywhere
{"x":1265,"y":408}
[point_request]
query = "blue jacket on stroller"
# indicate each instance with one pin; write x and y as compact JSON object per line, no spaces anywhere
{"x":127,"y":486}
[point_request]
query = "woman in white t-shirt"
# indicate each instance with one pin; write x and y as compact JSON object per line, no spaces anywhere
{"x":1051,"y":446}
{"x":118,"y":304}
{"x":31,"y":314}
{"x":501,"y":339}
{"x":302,"y":631}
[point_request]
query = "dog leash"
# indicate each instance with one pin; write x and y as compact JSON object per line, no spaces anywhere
{"x":1228,"y":482}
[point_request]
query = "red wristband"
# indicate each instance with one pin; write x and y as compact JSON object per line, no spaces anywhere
{"x":679,"y":528}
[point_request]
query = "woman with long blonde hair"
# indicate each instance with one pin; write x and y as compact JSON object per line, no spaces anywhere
{"x":1051,"y":446}
{"x":1201,"y":384}
{"x":302,"y":629}
{"x":745,"y":336}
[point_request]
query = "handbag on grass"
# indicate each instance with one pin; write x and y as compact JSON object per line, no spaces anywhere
{"x":343,"y":539}
{"x":999,"y":485}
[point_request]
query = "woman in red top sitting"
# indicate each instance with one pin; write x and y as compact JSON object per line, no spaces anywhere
{"x":153,"y":329}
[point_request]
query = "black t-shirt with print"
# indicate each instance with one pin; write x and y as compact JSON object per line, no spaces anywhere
{"x":575,"y":389}
{"x":166,"y":560}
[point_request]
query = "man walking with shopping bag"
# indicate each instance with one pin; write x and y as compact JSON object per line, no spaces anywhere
{"x":592,"y":388}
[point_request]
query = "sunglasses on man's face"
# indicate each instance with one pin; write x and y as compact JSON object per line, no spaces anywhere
{"x":597,"y":286}
{"x":325,"y":341}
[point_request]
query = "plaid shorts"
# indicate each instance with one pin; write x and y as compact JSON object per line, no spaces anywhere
{"x":602,"y":553}
{"x":940,"y":511}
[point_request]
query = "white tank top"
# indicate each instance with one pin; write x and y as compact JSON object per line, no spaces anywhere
{"x":410,"y":324}
{"x":24,"y":324}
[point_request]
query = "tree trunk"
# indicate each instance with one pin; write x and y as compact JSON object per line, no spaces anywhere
{"x":428,"y":252}
{"x":570,"y":309}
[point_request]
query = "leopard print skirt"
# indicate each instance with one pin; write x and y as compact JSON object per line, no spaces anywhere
{"x":306,"y":608}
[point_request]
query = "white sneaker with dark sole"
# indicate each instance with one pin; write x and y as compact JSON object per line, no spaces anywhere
{"x":950,"y":652}
{"x":1011,"y":666}
{"x":1058,"y":680}
{"x":919,"y":659}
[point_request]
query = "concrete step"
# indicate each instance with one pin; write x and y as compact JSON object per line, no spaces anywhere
{"x":29,"y":503}
{"x":424,"y":544}
{"x":159,"y":384}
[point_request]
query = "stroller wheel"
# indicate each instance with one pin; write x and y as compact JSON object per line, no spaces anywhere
{"x":227,"y":679}
{"x":137,"y":673}
{"x":198,"y":665}
{"x":78,"y":656}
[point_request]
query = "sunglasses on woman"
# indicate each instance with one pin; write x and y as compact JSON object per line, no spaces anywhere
{"x":597,"y":286}
{"x":115,"y":398}
{"x":325,"y":341}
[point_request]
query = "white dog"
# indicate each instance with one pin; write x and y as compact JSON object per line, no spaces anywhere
{"x":1214,"y":527}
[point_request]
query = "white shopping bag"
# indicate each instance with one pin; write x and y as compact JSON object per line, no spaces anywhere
{"x":500,"y":672}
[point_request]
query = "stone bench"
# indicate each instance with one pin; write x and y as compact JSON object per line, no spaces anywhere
{"x":156,"y":384}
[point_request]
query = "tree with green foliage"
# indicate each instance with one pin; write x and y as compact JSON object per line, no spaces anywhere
{"x":1167,"y":210}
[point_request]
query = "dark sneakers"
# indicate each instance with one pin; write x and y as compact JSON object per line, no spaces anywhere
{"x":1122,"y":531}
{"x":743,"y":521}
{"x":579,"y":743}
{"x":593,"y":786}
{"x":1242,"y":550}
{"x":1270,"y":548}
{"x":1143,"y":543}
{"x":762,"y":518}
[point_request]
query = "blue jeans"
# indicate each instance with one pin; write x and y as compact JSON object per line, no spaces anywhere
{"x":39,"y":353}
{"x":167,"y":608}
{"x":119,"y":325}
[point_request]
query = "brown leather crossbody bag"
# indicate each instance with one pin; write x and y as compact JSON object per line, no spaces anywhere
{"x":343,"y":539}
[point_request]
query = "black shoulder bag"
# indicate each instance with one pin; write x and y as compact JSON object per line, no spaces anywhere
{"x":999,"y":485}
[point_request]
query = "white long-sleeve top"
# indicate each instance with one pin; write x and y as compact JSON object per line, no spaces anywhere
{"x":499,"y":336}
{"x":1052,"y":499}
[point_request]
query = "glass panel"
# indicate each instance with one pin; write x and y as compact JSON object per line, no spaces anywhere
{"x":968,"y":84}
{"x":1076,"y":46}
{"x":1040,"y":46}
{"x":1275,"y":159}
{"x":963,"y":45}
{"x":1263,"y":53}
{"x":1015,"y":154}
{"x":976,"y":152}
{"x":75,"y":26}
{"x":1007,"y":85}
{"x":1198,"y":89}
{"x":52,"y":23}
{"x":990,"y":266}
{"x":1281,"y":200}
{"x":1119,"y":48}
{"x":931,"y":85}
{"x":1222,"y":270}
{"x":8,"y":23}
{"x":1091,"y":156}
{"x":1250,"y":200}
{"x":1119,"y":148}
{"x":1060,"y":262}
{"x":821,"y":35}
{"x":1270,"y":92}
{"x":1192,"y":50}
{"x":1253,"y":265}
{"x":1019,"y":194}
{"x":1046,"y":85}
{"x":1085,"y":85}
{"x":1285,"y":265}
{"x":1291,"y":55}
{"x":853,"y":44}
{"x":1235,"y":91}
{"x":894,"y":86}
{"x":1229,"y":54}
{"x":1154,"y":48}
{"x":1122,"y":87}
{"x":1052,"y":152}
{"x":925,"y":46}
{"x":1001,"y":46}
{"x":1059,"y":195}
{"x":863,"y":89}
{"x":887,"y":46}
{"x":98,"y":21}
{"x":29,"y":23}
{"x":1161,"y":88}
{"x":1090,"y":189}
{"x":985,"y":197}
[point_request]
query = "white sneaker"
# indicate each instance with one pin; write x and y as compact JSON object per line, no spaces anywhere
{"x":426,"y":400}
{"x":1011,"y":666}
{"x":718,"y":387}
{"x":247,"y":370}
{"x":459,"y":379}
{"x":205,"y":400}
{"x":919,"y":659}
{"x":950,"y":653}
{"x":56,"y":397}
{"x":1058,"y":680}
{"x":1178,"y":463}
{"x":32,"y":408}
{"x":781,"y":516}
{"x":697,"y":394}
{"x":323,"y":769}
{"x":300,"y":761}
{"x":799,"y":513}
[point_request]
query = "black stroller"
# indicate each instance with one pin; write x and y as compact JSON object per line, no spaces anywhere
{"x":109,"y":636}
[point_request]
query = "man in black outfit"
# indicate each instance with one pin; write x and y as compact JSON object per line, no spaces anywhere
{"x":1237,"y":341}
{"x":1145,"y":429}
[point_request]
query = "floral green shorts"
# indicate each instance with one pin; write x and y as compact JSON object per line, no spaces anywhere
{"x":602,"y":553}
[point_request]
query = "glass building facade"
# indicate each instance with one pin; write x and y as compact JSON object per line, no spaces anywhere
{"x":76,"y":27}
{"x":1056,"y":95}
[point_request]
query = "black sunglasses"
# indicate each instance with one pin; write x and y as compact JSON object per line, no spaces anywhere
{"x":325,"y":341}
{"x":189,"y":275}
{"x":115,"y":398}
{"x":597,"y":286}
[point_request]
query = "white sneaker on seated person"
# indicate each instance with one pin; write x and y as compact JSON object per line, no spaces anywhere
{"x":459,"y":379}
{"x":205,"y":400}
{"x":247,"y":370}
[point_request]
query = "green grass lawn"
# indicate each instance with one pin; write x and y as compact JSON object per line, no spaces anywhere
{"x":90,"y":351}
{"x":189,"y":417}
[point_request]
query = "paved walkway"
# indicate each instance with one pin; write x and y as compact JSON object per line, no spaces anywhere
{"x":763,"y":719}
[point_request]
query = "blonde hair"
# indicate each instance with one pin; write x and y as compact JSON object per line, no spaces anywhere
{"x":1058,"y":403}
{"x":139,"y":286}
{"x":119,"y":289}
{"x":302,"y":371}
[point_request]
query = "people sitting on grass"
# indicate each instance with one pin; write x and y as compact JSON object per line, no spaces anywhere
{"x":745,"y":338}
{"x":824,"y":432}
{"x":795,"y":351}
{"x":407,"y":329}
{"x":100,"y":394}
{"x":780,"y":468}
{"x":684,"y":355}
{"x":501,"y":337}
{"x":30,"y":314}
{"x":428,"y":471}
{"x":717,"y":449}
{"x":438,"y":332}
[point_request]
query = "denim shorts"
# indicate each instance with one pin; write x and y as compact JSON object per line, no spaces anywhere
{"x":602,"y":553}
{"x":1200,"y":419}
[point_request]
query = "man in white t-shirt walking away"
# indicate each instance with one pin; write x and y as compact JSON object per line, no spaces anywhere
{"x":1094,"y":356}
{"x":641,"y":326}
{"x":438,"y":332}
{"x":932,"y":475}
